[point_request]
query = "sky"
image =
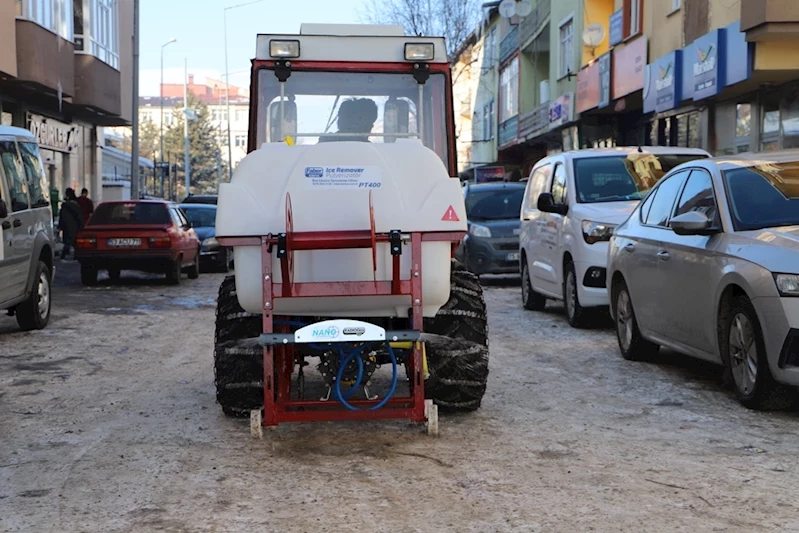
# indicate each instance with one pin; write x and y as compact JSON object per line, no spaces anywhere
{"x":198,"y":27}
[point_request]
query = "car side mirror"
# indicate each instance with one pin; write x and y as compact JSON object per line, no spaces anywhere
{"x":693,"y":223}
{"x":3,"y":209}
{"x":546,"y":204}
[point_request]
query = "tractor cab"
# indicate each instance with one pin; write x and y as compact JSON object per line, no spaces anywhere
{"x":352,"y":83}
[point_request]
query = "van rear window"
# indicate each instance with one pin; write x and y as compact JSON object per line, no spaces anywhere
{"x":130,"y":213}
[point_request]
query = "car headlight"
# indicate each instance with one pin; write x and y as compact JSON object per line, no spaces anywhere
{"x":210,"y":242}
{"x":480,"y":231}
{"x":597,"y":231}
{"x":787,"y":284}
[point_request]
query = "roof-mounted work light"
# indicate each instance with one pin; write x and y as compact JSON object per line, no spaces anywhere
{"x":419,"y":51}
{"x":288,"y":49}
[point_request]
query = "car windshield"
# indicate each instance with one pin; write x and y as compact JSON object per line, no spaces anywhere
{"x":201,"y":218}
{"x":494,"y":204}
{"x":623,"y":177}
{"x":764,"y":196}
{"x":353,"y":106}
{"x":130,"y":213}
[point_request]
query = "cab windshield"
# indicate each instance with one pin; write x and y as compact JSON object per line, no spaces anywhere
{"x":353,"y":106}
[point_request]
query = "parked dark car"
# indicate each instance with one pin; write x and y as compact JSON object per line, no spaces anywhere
{"x":144,"y":235}
{"x":492,"y":243}
{"x":203,"y":220}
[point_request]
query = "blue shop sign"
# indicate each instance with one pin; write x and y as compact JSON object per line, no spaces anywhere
{"x":617,"y":27}
{"x":668,"y":75}
{"x":708,"y":64}
{"x":740,"y":55}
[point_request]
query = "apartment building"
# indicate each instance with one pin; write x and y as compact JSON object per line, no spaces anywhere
{"x":715,"y":74}
{"x":63,"y":66}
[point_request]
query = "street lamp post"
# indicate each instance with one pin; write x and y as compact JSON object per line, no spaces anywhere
{"x":161,"y":153}
{"x":227,"y":87}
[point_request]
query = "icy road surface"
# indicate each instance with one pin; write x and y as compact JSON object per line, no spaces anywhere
{"x":108,"y":422}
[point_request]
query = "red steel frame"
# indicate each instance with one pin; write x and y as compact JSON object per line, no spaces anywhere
{"x":279,"y":361}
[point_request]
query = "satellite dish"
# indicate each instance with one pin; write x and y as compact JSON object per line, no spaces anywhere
{"x":507,"y":8}
{"x":593,"y":35}
{"x":524,"y":7}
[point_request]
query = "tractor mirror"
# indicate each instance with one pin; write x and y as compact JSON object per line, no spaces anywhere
{"x":396,"y":118}
{"x":278,"y":132}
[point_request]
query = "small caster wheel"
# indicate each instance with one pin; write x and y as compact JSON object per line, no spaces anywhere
{"x":256,"y":430}
{"x":431,"y":413}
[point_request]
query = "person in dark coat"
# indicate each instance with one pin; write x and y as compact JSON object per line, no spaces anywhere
{"x":86,"y":205}
{"x":70,"y":221}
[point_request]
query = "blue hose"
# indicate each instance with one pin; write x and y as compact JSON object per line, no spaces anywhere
{"x":340,"y":375}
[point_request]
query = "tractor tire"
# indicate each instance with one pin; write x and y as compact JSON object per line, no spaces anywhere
{"x":456,"y":343}
{"x":238,"y":370}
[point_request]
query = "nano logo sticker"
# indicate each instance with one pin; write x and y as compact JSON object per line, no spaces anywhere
{"x":450,"y":215}
{"x":330,"y":332}
{"x":314,"y":172}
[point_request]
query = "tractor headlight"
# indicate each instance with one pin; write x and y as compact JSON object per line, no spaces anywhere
{"x":787,"y":284}
{"x":284,"y":48}
{"x":480,"y":231}
{"x":419,"y":51}
{"x":597,"y":231}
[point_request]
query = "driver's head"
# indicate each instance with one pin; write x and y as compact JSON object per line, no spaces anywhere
{"x":357,"y":115}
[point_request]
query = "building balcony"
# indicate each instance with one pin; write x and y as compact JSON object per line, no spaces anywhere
{"x":98,"y":90}
{"x":44,"y":59}
{"x":508,"y":132}
{"x":509,"y":44}
{"x":534,"y":121}
{"x":770,"y":20}
{"x":532,"y":23}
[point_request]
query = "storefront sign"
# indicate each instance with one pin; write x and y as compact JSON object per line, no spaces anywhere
{"x":617,"y":27}
{"x":628,"y":67}
{"x":588,"y":88}
{"x":604,"y":80}
{"x":561,"y":111}
{"x":486,"y":174}
{"x":667,"y":72}
{"x":706,"y":65}
{"x":740,"y":55}
{"x":52,"y":134}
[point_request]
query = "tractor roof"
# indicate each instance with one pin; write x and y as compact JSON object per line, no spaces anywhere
{"x":361,"y":43}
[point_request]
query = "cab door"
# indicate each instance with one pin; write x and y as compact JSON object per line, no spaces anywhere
{"x":532,"y":219}
{"x":551,"y":238}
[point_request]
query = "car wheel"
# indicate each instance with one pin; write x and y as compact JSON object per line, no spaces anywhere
{"x":194,"y":270}
{"x":633,"y":346}
{"x":173,"y":274}
{"x":745,"y":361}
{"x":574,"y":311}
{"x":114,"y":275}
{"x":88,"y":275}
{"x":531,"y":300}
{"x":34,"y":313}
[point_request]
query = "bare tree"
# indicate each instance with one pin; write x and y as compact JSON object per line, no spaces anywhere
{"x":452,"y":19}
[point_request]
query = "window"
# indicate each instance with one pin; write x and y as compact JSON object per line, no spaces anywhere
{"x":491,"y":47}
{"x":538,"y":183}
{"x":34,"y":171}
{"x":509,"y":90}
{"x":241,"y":115}
{"x":698,"y":196}
{"x":676,"y":4}
{"x":240,"y":141}
{"x":559,"y":188}
{"x":18,"y":190}
{"x":104,"y":37}
{"x":566,"y":47}
{"x":646,"y":206}
{"x":663,"y":204}
{"x":54,"y":15}
{"x":495,"y":204}
{"x":130,"y":213}
{"x":763,"y":196}
{"x":488,"y":121}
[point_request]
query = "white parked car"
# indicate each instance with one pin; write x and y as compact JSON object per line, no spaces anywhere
{"x":708,"y":265}
{"x":573,"y":201}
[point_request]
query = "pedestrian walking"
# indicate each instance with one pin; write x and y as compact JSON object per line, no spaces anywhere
{"x":70,"y":221}
{"x":86,"y":205}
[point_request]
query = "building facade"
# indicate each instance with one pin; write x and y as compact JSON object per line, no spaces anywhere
{"x":63,"y":66}
{"x":711,"y":74}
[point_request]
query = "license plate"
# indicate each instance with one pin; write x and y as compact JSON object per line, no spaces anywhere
{"x":513,"y":256}
{"x":517,"y":231}
{"x":121,"y":243}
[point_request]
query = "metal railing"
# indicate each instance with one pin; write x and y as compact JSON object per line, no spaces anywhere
{"x":509,"y":44}
{"x":534,"y":121}
{"x":508,"y":131}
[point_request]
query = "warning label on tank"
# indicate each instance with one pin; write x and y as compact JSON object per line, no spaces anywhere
{"x":344,"y":177}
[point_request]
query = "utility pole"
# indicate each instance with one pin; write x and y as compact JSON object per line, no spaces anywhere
{"x":134,"y":159}
{"x":186,"y":165}
{"x":218,"y":171}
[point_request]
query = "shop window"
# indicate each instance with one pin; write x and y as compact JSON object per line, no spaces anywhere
{"x":34,"y":172}
{"x":770,"y":127}
{"x":790,"y":123}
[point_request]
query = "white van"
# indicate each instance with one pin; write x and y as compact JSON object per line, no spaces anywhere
{"x":572,"y":203}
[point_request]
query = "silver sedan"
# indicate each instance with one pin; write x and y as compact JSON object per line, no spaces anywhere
{"x":708,"y":265}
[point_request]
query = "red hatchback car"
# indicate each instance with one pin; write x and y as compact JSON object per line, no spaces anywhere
{"x":145,"y":235}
